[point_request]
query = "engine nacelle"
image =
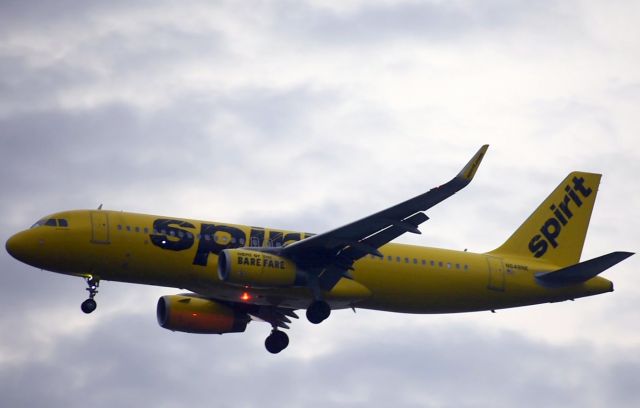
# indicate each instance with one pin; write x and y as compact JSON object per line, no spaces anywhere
{"x":244,"y":267}
{"x":196,"y":315}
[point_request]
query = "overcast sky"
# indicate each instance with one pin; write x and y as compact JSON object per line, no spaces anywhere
{"x":305,"y":116}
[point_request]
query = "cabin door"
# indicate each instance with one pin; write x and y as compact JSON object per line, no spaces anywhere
{"x":99,"y":227}
{"x":496,"y":273}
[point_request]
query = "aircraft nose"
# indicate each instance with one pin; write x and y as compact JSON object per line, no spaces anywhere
{"x":15,"y":247}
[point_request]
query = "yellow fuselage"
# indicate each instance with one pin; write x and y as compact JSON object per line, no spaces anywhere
{"x":124,"y":247}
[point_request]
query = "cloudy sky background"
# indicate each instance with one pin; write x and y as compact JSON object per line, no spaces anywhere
{"x":305,"y":116}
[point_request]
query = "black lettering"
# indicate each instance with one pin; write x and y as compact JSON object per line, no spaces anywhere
{"x":206,"y":247}
{"x":574,"y":196}
{"x":559,"y":215}
{"x":171,"y":237}
{"x":564,"y":206}
{"x":253,"y":261}
{"x":551,"y":231}
{"x":276,"y":238}
{"x":256,"y":237}
{"x":538,"y":246}
{"x":291,"y":237}
{"x":578,"y":184}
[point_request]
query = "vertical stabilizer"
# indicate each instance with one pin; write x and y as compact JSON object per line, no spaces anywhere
{"x":556,"y":230}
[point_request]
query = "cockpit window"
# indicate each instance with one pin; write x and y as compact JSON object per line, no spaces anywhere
{"x":51,"y":222}
{"x":39,"y":223}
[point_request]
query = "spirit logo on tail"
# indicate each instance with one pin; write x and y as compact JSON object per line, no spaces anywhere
{"x":562,"y":215}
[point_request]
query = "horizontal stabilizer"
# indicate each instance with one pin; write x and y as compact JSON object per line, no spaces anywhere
{"x":582,"y":271}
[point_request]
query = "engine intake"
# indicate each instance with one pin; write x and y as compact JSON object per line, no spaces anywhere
{"x":192,"y":314}
{"x":244,"y":267}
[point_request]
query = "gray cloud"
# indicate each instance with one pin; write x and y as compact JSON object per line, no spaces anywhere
{"x":454,"y":366}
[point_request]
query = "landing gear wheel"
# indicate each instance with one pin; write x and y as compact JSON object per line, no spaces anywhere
{"x":318,"y":311}
{"x":88,"y":306}
{"x":276,"y":341}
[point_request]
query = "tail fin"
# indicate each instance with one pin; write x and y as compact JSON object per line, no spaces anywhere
{"x":556,"y":230}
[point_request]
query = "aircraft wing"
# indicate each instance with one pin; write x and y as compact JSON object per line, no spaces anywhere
{"x":330,"y":255}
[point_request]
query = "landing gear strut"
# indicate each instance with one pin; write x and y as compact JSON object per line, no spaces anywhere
{"x":90,"y":305}
{"x":318,"y":311}
{"x":276,"y":341}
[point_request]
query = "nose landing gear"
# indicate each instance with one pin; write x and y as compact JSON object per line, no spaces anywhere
{"x":90,"y":305}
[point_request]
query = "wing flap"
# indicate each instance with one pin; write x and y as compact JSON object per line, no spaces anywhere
{"x":277,"y":316}
{"x":387,"y":235}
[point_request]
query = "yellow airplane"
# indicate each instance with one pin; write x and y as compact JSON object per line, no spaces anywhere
{"x":237,"y":273}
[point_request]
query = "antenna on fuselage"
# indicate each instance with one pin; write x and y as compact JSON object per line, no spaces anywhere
{"x":100,"y":207}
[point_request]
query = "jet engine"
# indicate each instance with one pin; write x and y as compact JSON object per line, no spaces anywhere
{"x":244,"y":267}
{"x":197,"y":315}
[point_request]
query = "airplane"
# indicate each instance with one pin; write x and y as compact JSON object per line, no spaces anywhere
{"x":237,"y":273}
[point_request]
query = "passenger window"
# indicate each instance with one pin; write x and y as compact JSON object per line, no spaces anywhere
{"x":398,"y":259}
{"x":406,"y":260}
{"x":119,"y":227}
{"x":433,"y":263}
{"x":466,"y":267}
{"x":424,"y":262}
{"x":415,"y":261}
{"x":457,"y":266}
{"x":137,"y":229}
{"x":440,"y":264}
{"x":449,"y":265}
{"x":146,"y":230}
{"x":128,"y":228}
{"x":51,"y":222}
{"x":390,"y":258}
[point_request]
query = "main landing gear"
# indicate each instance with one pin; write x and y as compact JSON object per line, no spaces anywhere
{"x":318,"y":311}
{"x":276,"y":341}
{"x":90,"y":305}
